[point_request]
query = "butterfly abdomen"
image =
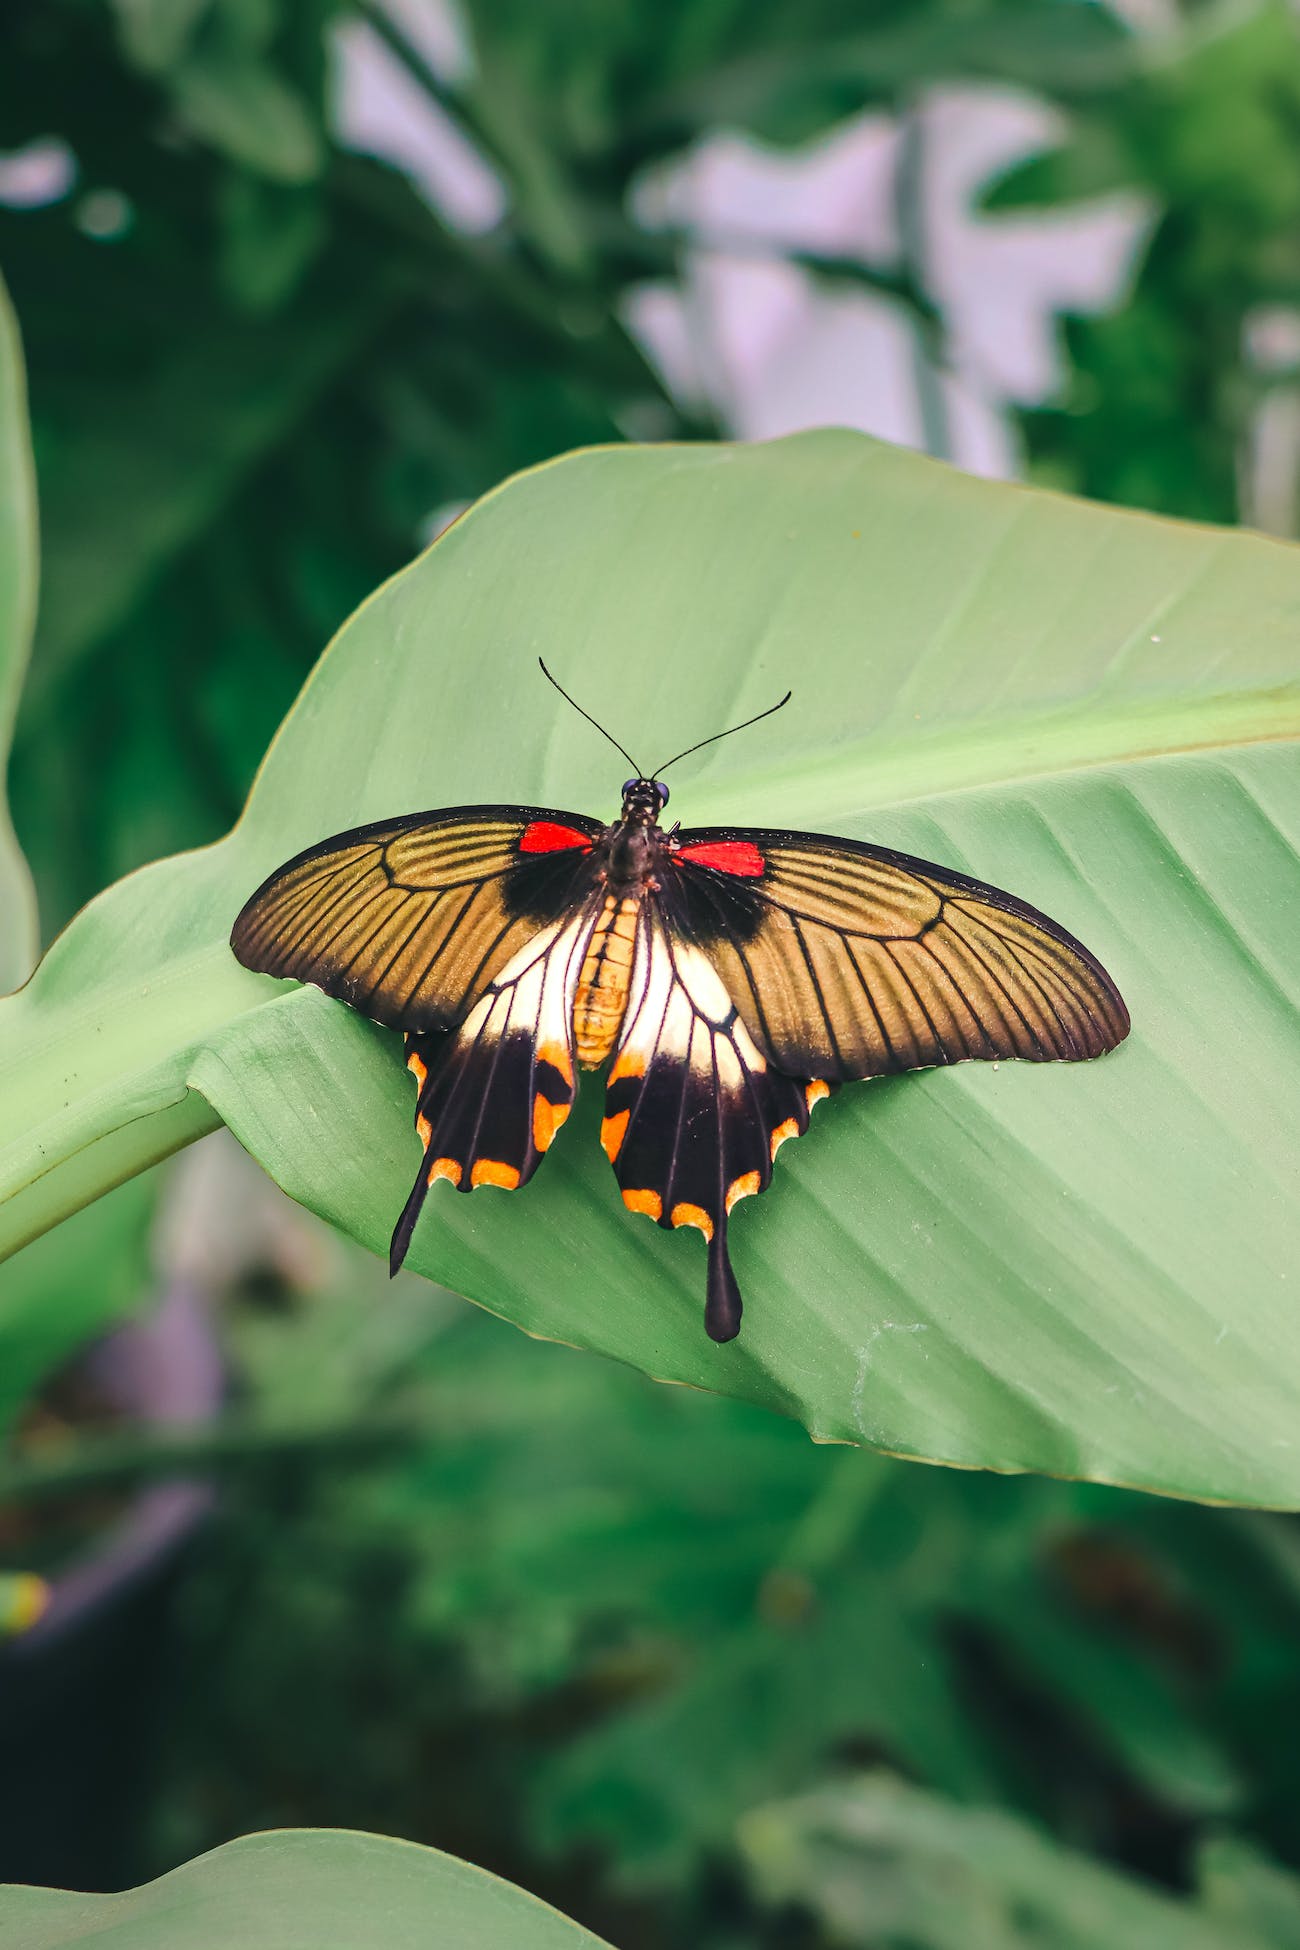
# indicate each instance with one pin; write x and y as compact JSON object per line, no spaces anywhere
{"x":603,"y":982}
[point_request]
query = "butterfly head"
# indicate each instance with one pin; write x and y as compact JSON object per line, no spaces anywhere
{"x":643,"y":801}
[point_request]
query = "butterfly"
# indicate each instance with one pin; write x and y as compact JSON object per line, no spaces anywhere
{"x":731,"y":977}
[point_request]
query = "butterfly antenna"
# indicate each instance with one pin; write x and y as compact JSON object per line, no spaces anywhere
{"x":591,"y":721}
{"x":660,"y":769}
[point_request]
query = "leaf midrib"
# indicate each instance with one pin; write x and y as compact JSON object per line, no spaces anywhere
{"x":862,"y":776}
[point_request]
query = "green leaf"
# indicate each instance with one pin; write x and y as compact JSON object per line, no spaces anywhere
{"x":1248,"y":1892}
{"x":300,"y":1889}
{"x":1129,"y":1701}
{"x":219,"y":396}
{"x":250,"y":114}
{"x":1095,"y":162}
{"x":881,"y":1863}
{"x":18,"y":933}
{"x":765,"y":1702}
{"x":1206,"y":122}
{"x":1086,"y":1270}
{"x":155,"y":33}
{"x":270,"y":235}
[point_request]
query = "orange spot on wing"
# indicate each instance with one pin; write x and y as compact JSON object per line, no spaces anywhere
{"x":611,"y":1133}
{"x":692,"y":1215}
{"x":547,"y":1119}
{"x":425,"y":1128}
{"x":444,"y":1168}
{"x":630,"y":1063}
{"x":783,"y":1131}
{"x":558,"y":1057}
{"x":489,"y":1171}
{"x":743,"y":1187}
{"x":816,"y":1091}
{"x":648,"y":1202}
{"x":419,"y":1069}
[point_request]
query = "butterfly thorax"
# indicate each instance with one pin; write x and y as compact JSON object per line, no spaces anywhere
{"x":633,"y":846}
{"x":632,"y":851}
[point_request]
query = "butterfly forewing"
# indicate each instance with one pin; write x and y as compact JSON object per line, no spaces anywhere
{"x":408,"y":920}
{"x":853,"y":961}
{"x":694,"y":1112}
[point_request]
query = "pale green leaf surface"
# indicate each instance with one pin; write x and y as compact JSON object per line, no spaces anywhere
{"x":18,"y":937}
{"x":1246,"y":1891}
{"x":299,"y":1889}
{"x":1084,"y":1269}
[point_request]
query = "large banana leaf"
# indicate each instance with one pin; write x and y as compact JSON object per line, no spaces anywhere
{"x":1085,"y":1269}
{"x":17,"y":614}
{"x":299,"y":1889}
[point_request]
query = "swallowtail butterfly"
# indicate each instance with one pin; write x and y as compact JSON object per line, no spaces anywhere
{"x":731,"y":977}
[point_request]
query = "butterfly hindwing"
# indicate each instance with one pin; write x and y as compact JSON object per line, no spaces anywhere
{"x":694,"y":1112}
{"x":409,"y":919}
{"x":849,"y":960}
{"x":493,"y":1092}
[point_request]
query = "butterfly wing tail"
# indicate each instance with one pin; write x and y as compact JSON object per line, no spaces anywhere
{"x":399,"y":1244}
{"x":694,"y":1113}
{"x":421,"y":1060}
{"x":722,"y":1305}
{"x":749,"y":1135}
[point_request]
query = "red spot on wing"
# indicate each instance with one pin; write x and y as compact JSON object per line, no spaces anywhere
{"x":548,"y":836}
{"x":725,"y":856}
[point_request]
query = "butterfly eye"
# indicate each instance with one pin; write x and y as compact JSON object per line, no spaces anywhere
{"x":628,"y":785}
{"x":662,"y":790}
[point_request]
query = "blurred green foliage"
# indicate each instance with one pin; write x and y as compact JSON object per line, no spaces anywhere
{"x":1162,"y":391}
{"x":881,"y":1862}
{"x":18,"y":940}
{"x":584,"y":1626}
{"x":463,"y":1588}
